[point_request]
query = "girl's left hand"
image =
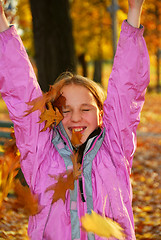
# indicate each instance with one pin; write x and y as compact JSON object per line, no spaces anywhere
{"x":134,"y":13}
{"x":137,"y":4}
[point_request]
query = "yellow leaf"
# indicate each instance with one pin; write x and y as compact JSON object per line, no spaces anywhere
{"x":147,"y":209}
{"x":102,"y":226}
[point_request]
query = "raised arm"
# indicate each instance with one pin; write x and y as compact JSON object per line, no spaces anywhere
{"x":3,"y":21}
{"x":18,"y":85}
{"x":134,"y":12}
{"x":126,"y":88}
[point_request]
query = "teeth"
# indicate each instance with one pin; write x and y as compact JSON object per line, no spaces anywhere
{"x":78,"y":129}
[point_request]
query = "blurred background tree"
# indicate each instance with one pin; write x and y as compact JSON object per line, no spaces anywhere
{"x":90,"y":38}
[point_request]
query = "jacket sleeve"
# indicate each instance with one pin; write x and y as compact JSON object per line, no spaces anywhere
{"x":126,"y":90}
{"x":18,"y":85}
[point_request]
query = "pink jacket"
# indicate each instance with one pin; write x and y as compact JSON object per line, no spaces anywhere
{"x":108,"y":161}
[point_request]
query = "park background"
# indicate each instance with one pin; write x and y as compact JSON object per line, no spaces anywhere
{"x":81,"y":36}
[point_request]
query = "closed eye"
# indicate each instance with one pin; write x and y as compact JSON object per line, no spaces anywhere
{"x":66,"y":111}
{"x":85,"y":110}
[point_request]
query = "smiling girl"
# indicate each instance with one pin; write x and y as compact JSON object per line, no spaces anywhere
{"x":108,"y":133}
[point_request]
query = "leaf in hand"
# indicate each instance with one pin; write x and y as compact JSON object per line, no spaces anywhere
{"x":62,"y":185}
{"x":102,"y":226}
{"x":76,"y":138}
{"x":50,"y":116}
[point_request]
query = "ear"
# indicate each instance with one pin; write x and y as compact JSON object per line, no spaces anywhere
{"x":100,"y":117}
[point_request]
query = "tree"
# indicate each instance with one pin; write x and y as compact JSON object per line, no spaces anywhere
{"x":53,"y":40}
{"x":24,"y":22}
{"x":91,"y":22}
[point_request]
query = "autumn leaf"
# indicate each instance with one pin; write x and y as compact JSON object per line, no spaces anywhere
{"x":37,"y":104}
{"x":50,"y":116}
{"x":102,"y":226}
{"x":53,"y":95}
{"x":26,"y":200}
{"x":10,"y":146}
{"x":62,"y":185}
{"x":76,"y":166}
{"x":9,"y":167}
{"x":76,"y":138}
{"x":65,"y":181}
{"x":59,"y":102}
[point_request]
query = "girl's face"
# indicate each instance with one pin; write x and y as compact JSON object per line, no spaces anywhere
{"x":81,"y":112}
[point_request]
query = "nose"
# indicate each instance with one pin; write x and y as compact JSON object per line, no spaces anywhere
{"x":75,"y":116}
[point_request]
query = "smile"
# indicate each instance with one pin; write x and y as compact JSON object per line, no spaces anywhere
{"x":77,"y":129}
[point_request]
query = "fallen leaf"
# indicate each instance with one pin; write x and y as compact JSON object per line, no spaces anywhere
{"x":65,"y":181}
{"x":76,"y":166}
{"x":50,"y":116}
{"x":37,"y":104}
{"x":26,"y":200}
{"x":102,"y":226}
{"x":76,"y":138}
{"x":59,"y":102}
{"x":9,"y":167}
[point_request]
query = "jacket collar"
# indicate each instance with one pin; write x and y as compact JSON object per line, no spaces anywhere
{"x":60,"y":136}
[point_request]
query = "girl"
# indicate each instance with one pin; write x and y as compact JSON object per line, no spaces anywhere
{"x":108,"y":133}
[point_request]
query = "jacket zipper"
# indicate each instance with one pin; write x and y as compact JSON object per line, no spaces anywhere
{"x":46,"y":221}
{"x":82,"y":177}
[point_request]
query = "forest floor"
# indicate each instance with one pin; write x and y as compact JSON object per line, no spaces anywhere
{"x":145,"y":177}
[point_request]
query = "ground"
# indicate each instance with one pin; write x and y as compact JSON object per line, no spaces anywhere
{"x":145,"y":177}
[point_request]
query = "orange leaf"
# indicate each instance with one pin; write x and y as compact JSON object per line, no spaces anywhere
{"x":76,"y":138}
{"x":62,"y":185}
{"x":50,"y":116}
{"x":59,"y":102}
{"x":9,"y":166}
{"x":65,"y":181}
{"x":38,"y":104}
{"x":76,"y":166}
{"x":26,"y":200}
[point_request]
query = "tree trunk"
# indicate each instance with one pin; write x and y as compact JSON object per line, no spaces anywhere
{"x":158,"y":56}
{"x":82,"y":61}
{"x":97,"y":77}
{"x":53,"y":40}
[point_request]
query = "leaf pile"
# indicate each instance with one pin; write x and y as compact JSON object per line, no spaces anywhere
{"x":146,"y":172}
{"x":146,"y":182}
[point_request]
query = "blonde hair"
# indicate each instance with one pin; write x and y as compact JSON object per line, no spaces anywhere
{"x":67,"y":78}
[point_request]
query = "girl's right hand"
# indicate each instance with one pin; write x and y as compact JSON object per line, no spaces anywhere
{"x":3,"y":20}
{"x":1,"y":8}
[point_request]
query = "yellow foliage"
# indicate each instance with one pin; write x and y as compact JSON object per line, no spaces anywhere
{"x":102,"y":226}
